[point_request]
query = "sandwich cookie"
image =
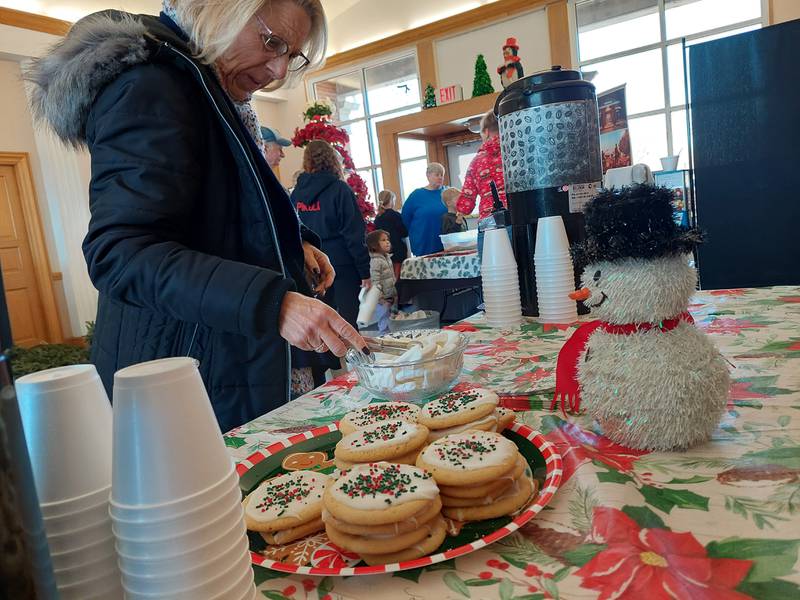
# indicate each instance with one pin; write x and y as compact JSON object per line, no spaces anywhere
{"x":427,"y":546}
{"x":508,"y":503}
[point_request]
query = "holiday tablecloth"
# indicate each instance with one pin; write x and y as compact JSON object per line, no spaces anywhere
{"x":719,"y":521}
{"x":460,"y":265}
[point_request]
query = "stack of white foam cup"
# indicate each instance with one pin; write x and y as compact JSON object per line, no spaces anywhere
{"x":67,"y":419}
{"x":175,"y":501}
{"x":500,"y":281}
{"x":555,"y":277}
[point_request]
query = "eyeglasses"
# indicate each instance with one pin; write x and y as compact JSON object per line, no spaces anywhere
{"x":277,"y":47}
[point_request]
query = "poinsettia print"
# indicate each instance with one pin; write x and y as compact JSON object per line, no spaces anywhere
{"x":330,"y":556}
{"x":731,"y":292}
{"x":578,"y":446}
{"x":533,"y":376}
{"x":656,"y":564}
{"x":462,"y":327}
{"x":493,"y":348}
{"x":729,"y":325}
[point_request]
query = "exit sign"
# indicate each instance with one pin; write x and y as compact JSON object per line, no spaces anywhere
{"x":450,"y":94}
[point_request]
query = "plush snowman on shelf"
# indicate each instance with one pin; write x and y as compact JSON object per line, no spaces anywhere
{"x":643,"y":371}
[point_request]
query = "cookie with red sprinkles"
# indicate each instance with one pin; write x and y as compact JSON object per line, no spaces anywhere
{"x":386,"y":440}
{"x":286,"y":502}
{"x":458,"y":408}
{"x":377,"y":413}
{"x":380,"y":493}
{"x":469,"y":458}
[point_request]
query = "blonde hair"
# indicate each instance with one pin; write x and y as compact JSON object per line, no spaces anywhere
{"x":450,"y":194}
{"x":215,"y":25}
{"x":321,"y":157}
{"x":434,"y":168}
{"x":386,"y":199}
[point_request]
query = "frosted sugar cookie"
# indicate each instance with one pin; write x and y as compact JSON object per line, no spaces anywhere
{"x":493,"y":488}
{"x":286,"y":501}
{"x":284,"y":536}
{"x":381,"y":542}
{"x":516,"y":497}
{"x":403,"y":459}
{"x":485,"y":423}
{"x":457,"y":408}
{"x":426,"y":546}
{"x":499,"y":420}
{"x":380,"y":493}
{"x":468,"y":458}
{"x":378,"y":413}
{"x":381,"y":441}
{"x":411,"y":523}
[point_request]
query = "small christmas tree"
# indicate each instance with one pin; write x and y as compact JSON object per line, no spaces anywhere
{"x":482,"y":84}
{"x":429,"y":101}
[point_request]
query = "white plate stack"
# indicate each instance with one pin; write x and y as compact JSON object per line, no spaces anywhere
{"x":66,"y":416}
{"x":175,"y":501}
{"x":500,"y":281}
{"x":555,"y":277}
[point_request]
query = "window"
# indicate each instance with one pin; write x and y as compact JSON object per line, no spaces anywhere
{"x":363,"y":98}
{"x":640,"y":43}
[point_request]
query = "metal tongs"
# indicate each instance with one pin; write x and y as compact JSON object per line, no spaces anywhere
{"x":396,"y":346}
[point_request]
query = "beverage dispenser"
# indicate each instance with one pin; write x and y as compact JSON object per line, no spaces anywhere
{"x":550,"y":146}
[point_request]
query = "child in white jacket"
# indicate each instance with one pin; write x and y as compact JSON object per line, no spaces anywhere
{"x":382,"y":275}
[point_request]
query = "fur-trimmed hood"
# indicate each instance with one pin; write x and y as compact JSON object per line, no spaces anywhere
{"x":66,"y":80}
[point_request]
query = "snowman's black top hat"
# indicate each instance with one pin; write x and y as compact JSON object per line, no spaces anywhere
{"x":634,"y":222}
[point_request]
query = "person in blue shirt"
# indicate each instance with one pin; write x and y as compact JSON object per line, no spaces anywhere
{"x":422,"y":213}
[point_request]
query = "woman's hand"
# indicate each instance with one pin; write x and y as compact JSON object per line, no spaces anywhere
{"x":366,"y":283}
{"x":309,"y":324}
{"x":319,"y":268}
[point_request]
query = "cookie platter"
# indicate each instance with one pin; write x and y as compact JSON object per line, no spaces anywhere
{"x":311,"y":455}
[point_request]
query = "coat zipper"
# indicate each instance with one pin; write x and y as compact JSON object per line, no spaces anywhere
{"x":261,"y":192}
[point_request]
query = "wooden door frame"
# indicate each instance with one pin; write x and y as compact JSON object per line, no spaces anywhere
{"x":20,"y":162}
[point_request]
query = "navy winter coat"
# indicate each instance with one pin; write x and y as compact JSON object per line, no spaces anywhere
{"x":327,"y":206}
{"x":192,"y":243}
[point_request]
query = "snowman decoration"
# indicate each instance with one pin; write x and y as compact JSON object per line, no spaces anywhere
{"x":643,"y":371}
{"x":511,"y":69}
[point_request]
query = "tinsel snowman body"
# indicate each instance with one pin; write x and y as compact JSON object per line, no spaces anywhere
{"x":649,"y":377}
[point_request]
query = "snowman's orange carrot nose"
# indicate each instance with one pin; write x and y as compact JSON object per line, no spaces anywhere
{"x":582,"y":294}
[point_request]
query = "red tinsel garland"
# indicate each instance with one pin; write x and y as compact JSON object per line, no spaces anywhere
{"x":320,"y":128}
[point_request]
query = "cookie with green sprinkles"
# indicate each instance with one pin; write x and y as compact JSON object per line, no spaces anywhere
{"x":458,"y":408}
{"x":468,"y":458}
{"x":387,"y":440}
{"x":285,"y":502}
{"x":380,"y":493}
{"x":378,"y":412}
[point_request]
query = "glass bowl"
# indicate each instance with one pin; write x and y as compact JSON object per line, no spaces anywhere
{"x":413,"y":381}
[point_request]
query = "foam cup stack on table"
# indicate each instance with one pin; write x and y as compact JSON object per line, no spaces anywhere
{"x":555,"y":277}
{"x":500,"y":281}
{"x":175,"y":503}
{"x":67,"y":420}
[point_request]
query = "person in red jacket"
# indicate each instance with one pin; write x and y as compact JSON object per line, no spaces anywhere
{"x":486,"y":166}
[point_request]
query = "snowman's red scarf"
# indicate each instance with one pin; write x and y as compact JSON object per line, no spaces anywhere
{"x":567,"y":388}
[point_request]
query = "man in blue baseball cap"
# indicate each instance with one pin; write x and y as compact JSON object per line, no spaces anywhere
{"x":274,"y":145}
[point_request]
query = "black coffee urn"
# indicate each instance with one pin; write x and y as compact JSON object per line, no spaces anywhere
{"x":550,"y":145}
